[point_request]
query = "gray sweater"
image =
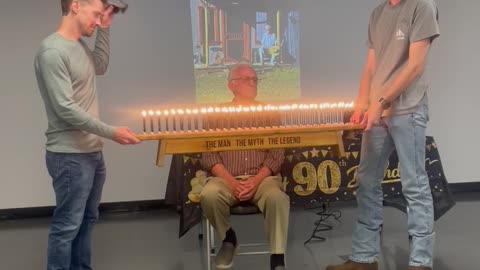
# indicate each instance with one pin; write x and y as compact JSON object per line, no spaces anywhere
{"x":66,"y":75}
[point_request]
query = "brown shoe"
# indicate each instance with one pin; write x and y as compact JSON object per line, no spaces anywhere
{"x":419,"y":268}
{"x":349,"y":265}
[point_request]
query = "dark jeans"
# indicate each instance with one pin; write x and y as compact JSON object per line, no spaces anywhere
{"x":78,"y":182}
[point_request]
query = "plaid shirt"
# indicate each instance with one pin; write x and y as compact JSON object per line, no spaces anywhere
{"x":245,"y":162}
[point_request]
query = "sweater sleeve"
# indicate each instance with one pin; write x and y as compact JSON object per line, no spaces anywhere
{"x":56,"y":77}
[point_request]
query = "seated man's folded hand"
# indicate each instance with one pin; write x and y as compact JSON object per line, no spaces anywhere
{"x":233,"y":185}
{"x":246,"y":189}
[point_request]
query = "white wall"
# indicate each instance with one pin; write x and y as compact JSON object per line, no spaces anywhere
{"x":454,"y":92}
{"x":151,"y":65}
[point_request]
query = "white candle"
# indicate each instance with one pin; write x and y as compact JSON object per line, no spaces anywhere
{"x":341,"y":107}
{"x":203,"y":123}
{"x":167,"y":118}
{"x":150,"y":114}
{"x":189,"y":123}
{"x":275,"y":117}
{"x":238,"y":117}
{"x":314,"y":108}
{"x":144,"y":115}
{"x":300,"y":114}
{"x":210,"y":115}
{"x":253,"y":112}
{"x":294,"y":115}
{"x":196,"y":121}
{"x":159,"y":120}
{"x":174,"y":120}
{"x":181,"y":120}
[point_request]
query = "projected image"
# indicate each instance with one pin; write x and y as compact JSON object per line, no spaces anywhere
{"x":264,"y":34}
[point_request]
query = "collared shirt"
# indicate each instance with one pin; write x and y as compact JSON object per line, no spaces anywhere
{"x":268,"y":40}
{"x":245,"y":162}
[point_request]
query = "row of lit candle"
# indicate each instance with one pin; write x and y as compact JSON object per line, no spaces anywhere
{"x":242,"y":117}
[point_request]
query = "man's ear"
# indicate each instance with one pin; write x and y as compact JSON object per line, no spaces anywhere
{"x":75,"y":7}
{"x":232,"y":86}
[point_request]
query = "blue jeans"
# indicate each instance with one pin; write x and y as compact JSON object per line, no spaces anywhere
{"x":261,"y":54}
{"x":405,"y":134}
{"x":78,"y":182}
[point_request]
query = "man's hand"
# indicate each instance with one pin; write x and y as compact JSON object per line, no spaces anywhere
{"x":246,"y":189}
{"x":107,"y":17}
{"x":372,"y":116}
{"x":234,"y":184}
{"x":357,"y":116}
{"x":123,"y":135}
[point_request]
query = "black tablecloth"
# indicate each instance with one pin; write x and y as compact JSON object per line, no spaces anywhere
{"x":311,"y":175}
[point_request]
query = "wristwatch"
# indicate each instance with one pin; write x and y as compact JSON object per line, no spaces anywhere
{"x":385,"y":103}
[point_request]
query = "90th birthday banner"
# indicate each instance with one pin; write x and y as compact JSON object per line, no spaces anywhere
{"x":311,"y":175}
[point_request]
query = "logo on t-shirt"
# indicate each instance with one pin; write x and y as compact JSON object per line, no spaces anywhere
{"x":400,"y":35}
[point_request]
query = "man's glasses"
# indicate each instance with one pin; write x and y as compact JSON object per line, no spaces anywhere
{"x":247,"y":79}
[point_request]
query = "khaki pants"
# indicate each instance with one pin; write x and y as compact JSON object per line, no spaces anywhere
{"x":217,"y":198}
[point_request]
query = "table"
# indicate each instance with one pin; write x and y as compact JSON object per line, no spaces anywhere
{"x":311,"y":176}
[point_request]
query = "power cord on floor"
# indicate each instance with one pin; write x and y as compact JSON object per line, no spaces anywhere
{"x":321,"y":225}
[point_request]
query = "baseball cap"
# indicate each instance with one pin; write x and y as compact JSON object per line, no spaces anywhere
{"x":118,"y":5}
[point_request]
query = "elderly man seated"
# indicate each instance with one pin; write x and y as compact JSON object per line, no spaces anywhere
{"x":246,"y":176}
{"x":268,"y":45}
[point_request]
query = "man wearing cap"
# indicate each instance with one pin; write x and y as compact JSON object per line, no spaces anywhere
{"x":118,"y":6}
{"x":65,"y":69}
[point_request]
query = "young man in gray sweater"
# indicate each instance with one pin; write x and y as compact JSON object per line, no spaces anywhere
{"x":66,"y":72}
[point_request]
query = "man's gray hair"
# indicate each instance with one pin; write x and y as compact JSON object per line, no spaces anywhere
{"x":235,"y":68}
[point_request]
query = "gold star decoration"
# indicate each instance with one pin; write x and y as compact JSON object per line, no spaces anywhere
{"x":314,"y":152}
